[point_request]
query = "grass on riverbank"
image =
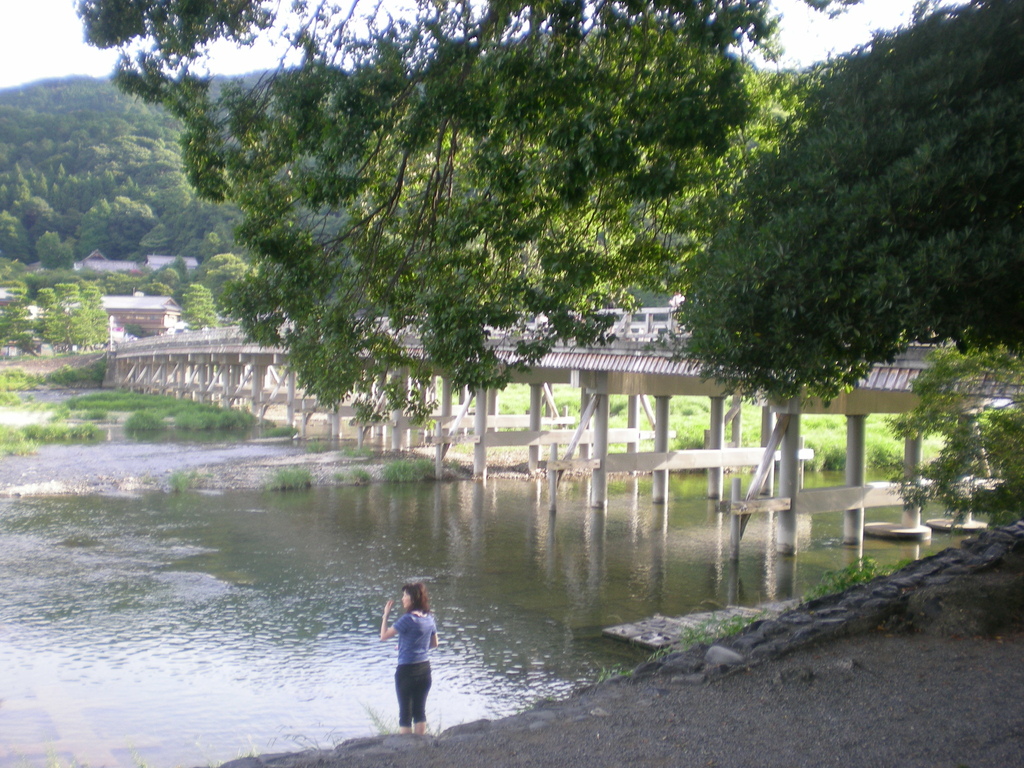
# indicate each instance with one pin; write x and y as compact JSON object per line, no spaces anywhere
{"x":151,"y":413}
{"x":184,"y":480}
{"x":408,"y":471}
{"x":16,"y":380}
{"x":26,"y":439}
{"x":860,"y":572}
{"x":290,"y":479}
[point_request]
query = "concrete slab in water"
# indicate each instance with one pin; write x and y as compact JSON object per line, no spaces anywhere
{"x":898,"y":531}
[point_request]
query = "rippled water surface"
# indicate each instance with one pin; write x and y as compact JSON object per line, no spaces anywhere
{"x":191,"y":629}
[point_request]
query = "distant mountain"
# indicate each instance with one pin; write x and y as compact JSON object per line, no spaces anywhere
{"x":84,"y":167}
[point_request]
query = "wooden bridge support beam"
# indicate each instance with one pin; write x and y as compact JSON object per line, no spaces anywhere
{"x":853,"y":519}
{"x":716,"y":440}
{"x":659,"y":487}
{"x":789,"y":481}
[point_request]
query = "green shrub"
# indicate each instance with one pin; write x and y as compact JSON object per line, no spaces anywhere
{"x":689,"y":436}
{"x":120,"y":400}
{"x":408,"y":471}
{"x":713,"y":629}
{"x":15,"y":379}
{"x":181,"y":481}
{"x":863,"y":570}
{"x":9,"y":399}
{"x":356,"y":453}
{"x":195,"y":420}
{"x":94,"y":415}
{"x":290,"y":479}
{"x":318,"y":446}
{"x":884,"y":455}
{"x":14,"y":443}
{"x":356,"y":476}
{"x":145,"y":421}
{"x":281,"y":431}
{"x":230,"y":418}
{"x":60,"y":432}
{"x":213,"y":418}
{"x":829,"y":453}
{"x":87,"y":376}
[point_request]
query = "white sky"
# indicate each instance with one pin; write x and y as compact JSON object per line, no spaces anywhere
{"x":42,"y":39}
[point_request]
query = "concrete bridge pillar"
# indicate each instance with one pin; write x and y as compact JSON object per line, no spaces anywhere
{"x":853,"y":519}
{"x":204,"y":380}
{"x":480,"y":428}
{"x":441,"y":427}
{"x":492,"y":403}
{"x":599,"y":477}
{"x":659,"y":488}
{"x":234,"y":376}
{"x":290,"y":406}
{"x":179,"y":380}
{"x":536,"y":412}
{"x":716,"y":441}
{"x":633,"y":421}
{"x":737,"y":422}
{"x":400,"y":435}
{"x":259,"y":373}
{"x":584,"y":447}
{"x":911,"y":471}
{"x":767,"y":427}
{"x":447,"y":395}
{"x":789,"y":480}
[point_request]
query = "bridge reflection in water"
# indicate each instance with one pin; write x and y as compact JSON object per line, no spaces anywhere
{"x":221,"y":366}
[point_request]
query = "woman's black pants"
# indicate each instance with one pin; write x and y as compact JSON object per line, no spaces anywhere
{"x":412,"y":683}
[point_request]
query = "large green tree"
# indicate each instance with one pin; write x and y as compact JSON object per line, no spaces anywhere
{"x":450,"y":173}
{"x":217,"y":272}
{"x":16,"y":324}
{"x":55,"y":253}
{"x":197,"y":307}
{"x":894,"y":213}
{"x":973,"y":403}
{"x":69,"y":149}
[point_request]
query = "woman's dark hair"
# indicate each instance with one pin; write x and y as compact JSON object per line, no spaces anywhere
{"x":417,"y":592}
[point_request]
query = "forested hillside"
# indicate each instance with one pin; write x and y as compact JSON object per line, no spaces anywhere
{"x":84,"y":167}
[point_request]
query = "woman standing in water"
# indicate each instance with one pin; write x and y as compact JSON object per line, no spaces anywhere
{"x":417,"y":636}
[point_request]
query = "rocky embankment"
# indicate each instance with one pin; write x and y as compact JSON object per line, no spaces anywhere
{"x":920,"y":668}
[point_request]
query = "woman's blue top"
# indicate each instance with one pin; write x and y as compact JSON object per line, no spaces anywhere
{"x":414,"y":634}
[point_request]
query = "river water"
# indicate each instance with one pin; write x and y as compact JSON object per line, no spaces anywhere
{"x":190,"y":629}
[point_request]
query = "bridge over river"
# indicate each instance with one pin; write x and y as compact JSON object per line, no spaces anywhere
{"x":220,"y":365}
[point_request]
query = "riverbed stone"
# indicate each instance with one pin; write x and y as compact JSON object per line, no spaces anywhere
{"x":721,"y":656}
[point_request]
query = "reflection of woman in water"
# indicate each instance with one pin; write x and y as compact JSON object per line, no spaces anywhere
{"x":417,"y":635}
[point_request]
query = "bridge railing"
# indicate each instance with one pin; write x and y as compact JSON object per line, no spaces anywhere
{"x":208,"y":337}
{"x":646,"y":324}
